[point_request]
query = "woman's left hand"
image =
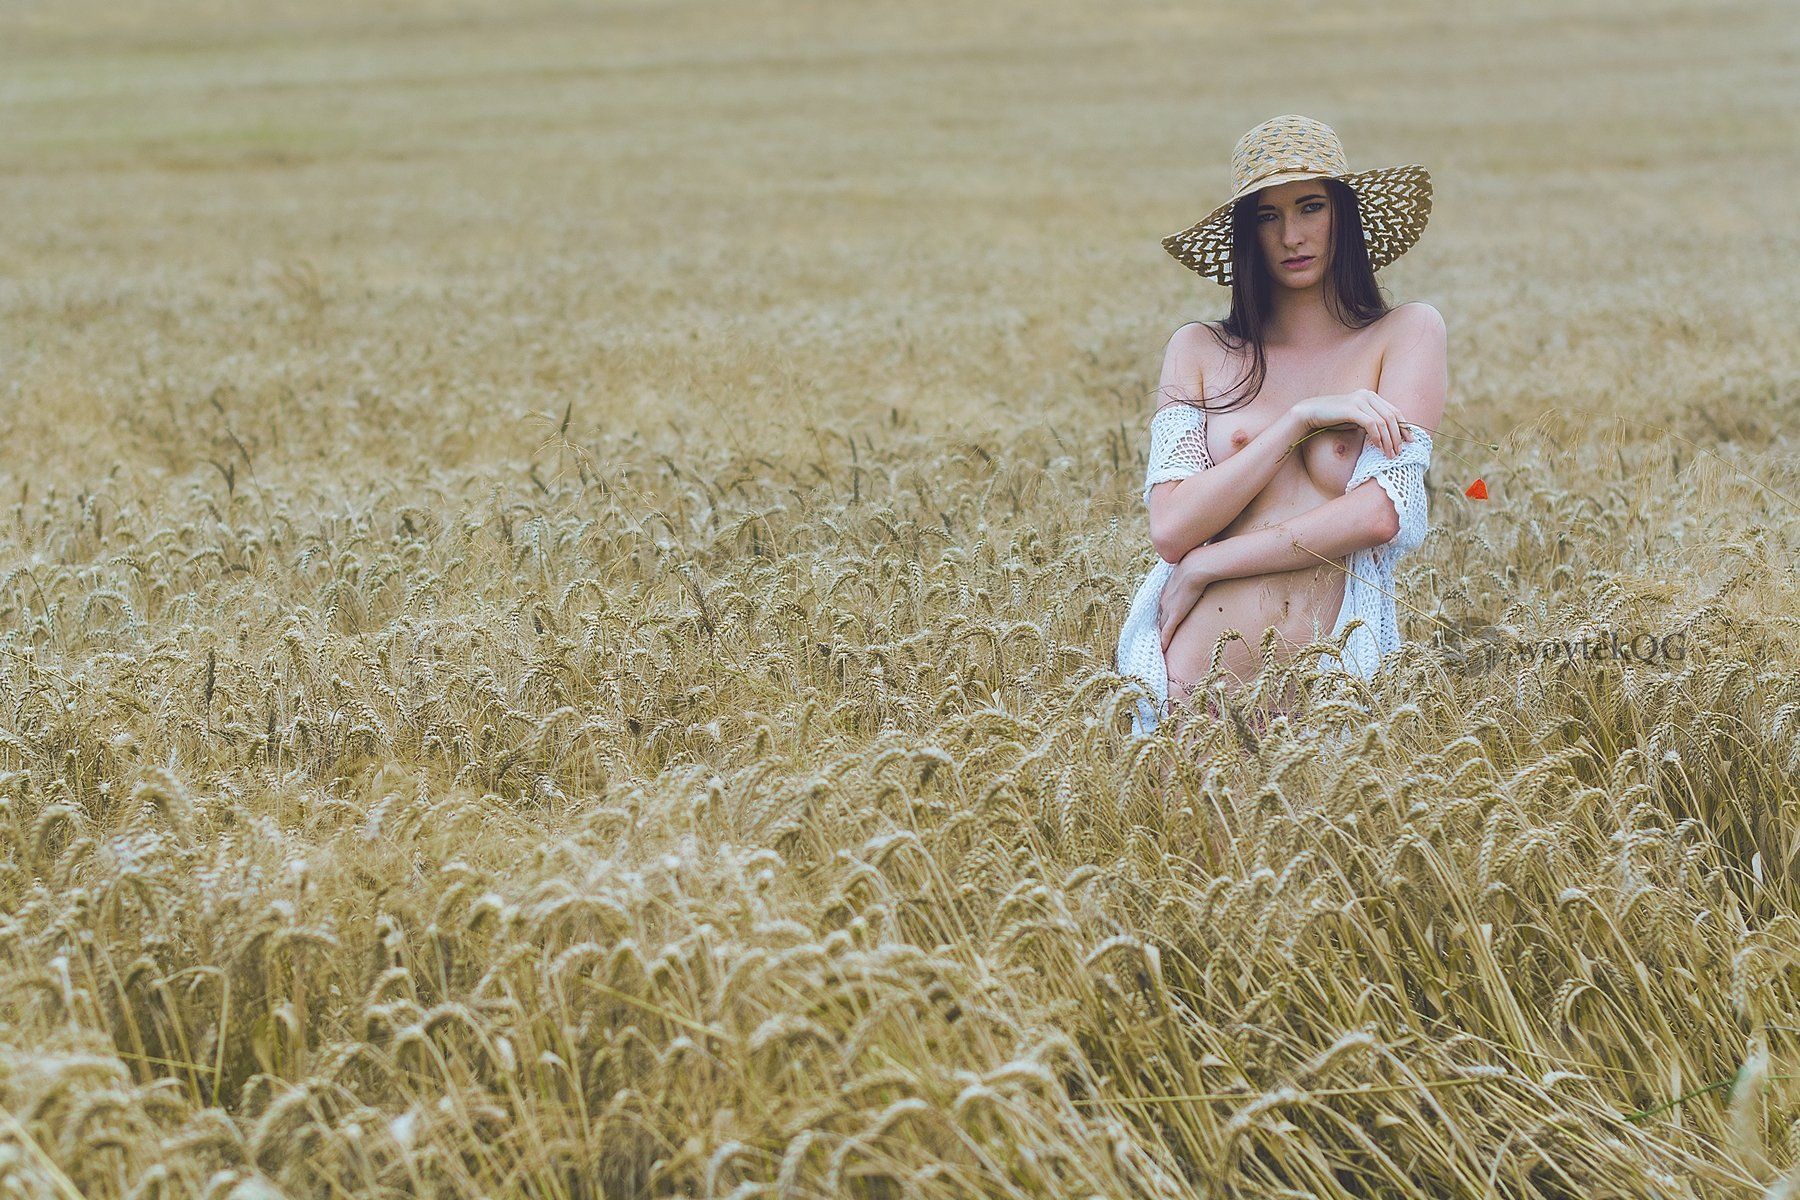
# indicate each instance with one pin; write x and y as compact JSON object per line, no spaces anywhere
{"x":1180,"y":593}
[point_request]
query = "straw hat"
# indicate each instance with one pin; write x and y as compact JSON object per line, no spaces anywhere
{"x":1395,"y":201}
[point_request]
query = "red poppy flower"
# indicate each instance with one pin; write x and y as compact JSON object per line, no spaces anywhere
{"x":1478,"y":489}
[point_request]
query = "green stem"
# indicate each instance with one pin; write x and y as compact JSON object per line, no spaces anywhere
{"x":1701,"y":1091}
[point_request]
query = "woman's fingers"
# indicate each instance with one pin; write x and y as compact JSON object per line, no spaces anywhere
{"x":1402,"y":431}
{"x":1370,"y":420}
{"x":1381,"y":421}
{"x":1390,"y":429}
{"x":1169,"y":617}
{"x":1169,"y":634}
{"x":1377,"y":410}
{"x":1378,"y":431}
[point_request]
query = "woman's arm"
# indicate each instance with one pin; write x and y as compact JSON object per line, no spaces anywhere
{"x":1362,"y":517}
{"x":1186,"y":512}
{"x":1414,"y":377}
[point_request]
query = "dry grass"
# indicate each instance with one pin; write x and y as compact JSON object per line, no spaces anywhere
{"x":559,"y":577}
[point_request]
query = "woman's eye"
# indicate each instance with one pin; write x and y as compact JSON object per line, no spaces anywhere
{"x":1313,"y":206}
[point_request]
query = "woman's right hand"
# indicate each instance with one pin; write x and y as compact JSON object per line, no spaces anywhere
{"x":1380,"y":421}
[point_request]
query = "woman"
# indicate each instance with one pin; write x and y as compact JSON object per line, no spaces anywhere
{"x":1285,"y":507}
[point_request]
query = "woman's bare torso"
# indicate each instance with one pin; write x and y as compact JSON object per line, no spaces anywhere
{"x":1301,"y":606}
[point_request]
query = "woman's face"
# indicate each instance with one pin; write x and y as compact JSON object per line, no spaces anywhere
{"x":1293,"y":221}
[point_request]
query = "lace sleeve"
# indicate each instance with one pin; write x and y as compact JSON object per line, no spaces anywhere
{"x":1403,"y":478}
{"x":1177,"y":445}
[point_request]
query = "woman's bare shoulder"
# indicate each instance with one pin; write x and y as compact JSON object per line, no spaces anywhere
{"x":1191,"y":357}
{"x":1415,"y":316}
{"x":1197,"y":340}
{"x":1199,"y":333}
{"x":1412,"y":328}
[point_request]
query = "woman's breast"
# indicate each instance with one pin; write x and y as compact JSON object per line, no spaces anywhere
{"x":1329,"y":456}
{"x":1313,"y":474}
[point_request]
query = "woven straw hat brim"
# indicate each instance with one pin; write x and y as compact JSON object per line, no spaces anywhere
{"x":1395,"y":204}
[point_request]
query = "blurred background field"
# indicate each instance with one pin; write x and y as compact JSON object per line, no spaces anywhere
{"x":559,"y":566}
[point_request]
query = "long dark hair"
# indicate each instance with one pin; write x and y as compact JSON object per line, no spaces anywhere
{"x":1351,"y":292}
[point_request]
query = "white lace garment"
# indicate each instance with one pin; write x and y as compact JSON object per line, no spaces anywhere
{"x":1177,"y":450}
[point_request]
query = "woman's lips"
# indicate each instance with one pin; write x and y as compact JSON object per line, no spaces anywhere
{"x":1294,"y":264}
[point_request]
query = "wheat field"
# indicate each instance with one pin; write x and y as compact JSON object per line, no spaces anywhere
{"x":560,"y":565}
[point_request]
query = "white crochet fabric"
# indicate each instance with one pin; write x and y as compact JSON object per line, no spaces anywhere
{"x":1177,"y":450}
